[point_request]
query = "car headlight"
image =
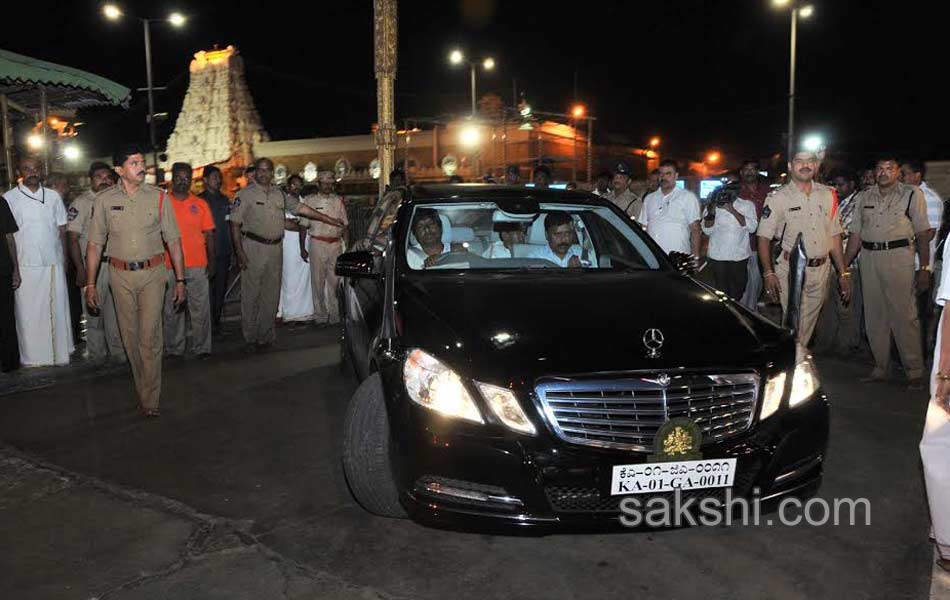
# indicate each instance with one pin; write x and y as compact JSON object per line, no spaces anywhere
{"x":805,"y":383}
{"x":774,"y":391}
{"x":506,"y":407}
{"x":435,"y":386}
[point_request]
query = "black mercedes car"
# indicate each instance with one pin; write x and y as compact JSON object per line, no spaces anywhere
{"x":532,"y":357}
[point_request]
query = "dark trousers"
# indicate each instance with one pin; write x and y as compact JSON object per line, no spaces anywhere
{"x":9,"y":344}
{"x":219,"y":286}
{"x":75,"y":300}
{"x":730,"y":276}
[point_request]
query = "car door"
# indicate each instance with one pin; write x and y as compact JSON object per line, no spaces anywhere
{"x":362,"y":298}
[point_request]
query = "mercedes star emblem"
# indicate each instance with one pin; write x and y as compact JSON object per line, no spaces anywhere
{"x":653,"y":340}
{"x":663,"y":379}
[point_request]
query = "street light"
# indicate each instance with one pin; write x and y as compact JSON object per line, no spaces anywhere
{"x":112,"y":12}
{"x":578,"y":111}
{"x":34,"y":141}
{"x":713,"y":157}
{"x":804,"y":11}
{"x":470,"y":136}
{"x":813,"y":143}
{"x":176,"y":19}
{"x":456,"y":58}
{"x":71,"y":152}
{"x":654,"y":142}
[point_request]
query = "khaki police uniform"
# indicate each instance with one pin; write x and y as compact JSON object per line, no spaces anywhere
{"x":789,"y":211}
{"x":888,"y":223}
{"x":627,"y":202}
{"x":102,"y":331}
{"x":134,"y":228}
{"x":325,"y":245}
{"x":260,"y":214}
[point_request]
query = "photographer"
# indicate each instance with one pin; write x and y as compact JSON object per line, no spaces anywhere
{"x":728,"y":221}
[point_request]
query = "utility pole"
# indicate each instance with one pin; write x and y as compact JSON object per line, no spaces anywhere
{"x":385,"y":37}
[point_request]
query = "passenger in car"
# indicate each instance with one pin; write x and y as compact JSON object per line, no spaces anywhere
{"x":560,"y":234}
{"x":511,"y":234}
{"x":427,"y":227}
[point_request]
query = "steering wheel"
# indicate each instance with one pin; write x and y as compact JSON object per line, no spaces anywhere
{"x":455,"y":256}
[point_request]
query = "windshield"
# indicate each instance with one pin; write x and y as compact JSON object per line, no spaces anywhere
{"x":500,"y":236}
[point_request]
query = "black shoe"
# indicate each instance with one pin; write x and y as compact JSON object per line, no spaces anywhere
{"x":250,"y":348}
{"x":174,"y":357}
{"x":204,"y":356}
{"x":264,"y":347}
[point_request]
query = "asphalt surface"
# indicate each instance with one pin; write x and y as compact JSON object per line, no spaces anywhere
{"x":237,"y":491}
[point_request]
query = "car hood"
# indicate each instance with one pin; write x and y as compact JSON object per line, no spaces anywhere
{"x":508,"y":327}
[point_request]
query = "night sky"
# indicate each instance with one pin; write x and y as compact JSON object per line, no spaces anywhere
{"x":699,"y":74}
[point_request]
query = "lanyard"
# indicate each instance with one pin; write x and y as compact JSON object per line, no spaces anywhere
{"x":41,"y":199}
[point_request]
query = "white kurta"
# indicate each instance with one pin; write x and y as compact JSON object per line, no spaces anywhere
{"x":43,"y":323}
{"x":935,"y":443}
{"x":296,"y":297}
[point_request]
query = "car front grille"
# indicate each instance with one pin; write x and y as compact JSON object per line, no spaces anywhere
{"x":626,"y":413}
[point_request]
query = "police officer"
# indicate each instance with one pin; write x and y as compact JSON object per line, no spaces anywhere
{"x":810,"y":208}
{"x":326,"y":244}
{"x":620,"y":193}
{"x":890,"y":220}
{"x":134,"y":219}
{"x":103,"y":341}
{"x":257,"y":230}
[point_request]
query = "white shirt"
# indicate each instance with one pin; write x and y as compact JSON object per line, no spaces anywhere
{"x":497,"y":249}
{"x":39,"y":216}
{"x":416,"y":256}
{"x":667,"y":218}
{"x":934,"y":215}
{"x":727,"y":239}
{"x":546,"y":253}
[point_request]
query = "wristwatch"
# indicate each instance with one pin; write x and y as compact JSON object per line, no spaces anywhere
{"x":181,"y":281}
{"x":925,"y":268}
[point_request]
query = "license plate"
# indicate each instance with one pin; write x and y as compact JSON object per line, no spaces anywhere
{"x":652,"y":478}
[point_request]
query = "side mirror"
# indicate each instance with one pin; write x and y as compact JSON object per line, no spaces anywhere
{"x":687,"y":264}
{"x":356,"y":264}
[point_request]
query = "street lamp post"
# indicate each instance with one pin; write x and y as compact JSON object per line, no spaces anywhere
{"x":802,"y":11}
{"x":176,"y":19}
{"x":152,"y":143}
{"x":456,"y":57}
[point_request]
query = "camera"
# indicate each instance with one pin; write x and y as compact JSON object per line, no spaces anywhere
{"x":724,"y":194}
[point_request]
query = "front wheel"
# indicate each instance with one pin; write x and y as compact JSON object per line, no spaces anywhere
{"x":366,"y":448}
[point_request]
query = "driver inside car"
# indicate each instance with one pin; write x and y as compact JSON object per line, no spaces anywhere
{"x":427,"y":227}
{"x":561,"y":236}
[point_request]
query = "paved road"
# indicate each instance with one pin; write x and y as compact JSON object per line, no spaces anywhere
{"x":241,"y":476}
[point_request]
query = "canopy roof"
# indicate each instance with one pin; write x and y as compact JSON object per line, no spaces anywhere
{"x":66,"y":88}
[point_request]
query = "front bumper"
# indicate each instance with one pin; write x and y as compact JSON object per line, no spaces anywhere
{"x":462,"y":475}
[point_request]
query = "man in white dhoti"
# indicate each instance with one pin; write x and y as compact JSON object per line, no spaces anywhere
{"x":44,"y":328}
{"x":935,"y":444}
{"x":296,"y":300}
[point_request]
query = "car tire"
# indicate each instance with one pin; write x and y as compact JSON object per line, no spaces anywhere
{"x":366,"y":448}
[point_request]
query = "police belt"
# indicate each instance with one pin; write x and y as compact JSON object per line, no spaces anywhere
{"x":140,"y":265}
{"x":812,"y":262}
{"x":259,"y":239}
{"x":329,"y":240}
{"x":885,"y":245}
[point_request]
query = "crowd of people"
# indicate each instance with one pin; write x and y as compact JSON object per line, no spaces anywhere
{"x":153,"y":264}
